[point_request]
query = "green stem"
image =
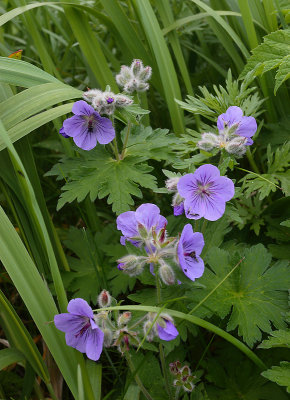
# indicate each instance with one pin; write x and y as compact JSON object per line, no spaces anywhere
{"x":126,"y":140}
{"x":204,"y":353}
{"x":252,"y":161}
{"x":161,"y":351}
{"x":51,"y":391}
{"x":204,"y":224}
{"x":177,"y":393}
{"x":116,"y":150}
{"x":136,"y":376}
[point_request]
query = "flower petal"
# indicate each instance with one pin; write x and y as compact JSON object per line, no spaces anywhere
{"x":94,"y":344}
{"x":194,"y":267}
{"x":191,"y":241}
{"x":86,"y":140}
{"x":104,"y":130}
{"x":186,"y":185}
{"x":74,"y":126}
{"x":148,"y":215}
{"x":247,"y":127}
{"x":62,"y":132}
{"x":68,"y":322}
{"x":206,"y":173}
{"x":167,"y":333}
{"x":214,"y":208}
{"x":223,"y":187}
{"x":80,"y":307}
{"x":233,"y":115}
{"x":178,"y":209}
{"x":82,"y":108}
{"x":194,"y":208}
{"x":77,"y":341}
{"x":127,"y":224}
{"x":162,"y":222}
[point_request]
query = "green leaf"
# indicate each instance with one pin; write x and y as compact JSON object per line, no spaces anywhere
{"x":21,"y":73}
{"x":96,"y":173}
{"x":280,"y":375}
{"x":10,"y":356}
{"x":273,"y":53}
{"x":253,"y":295}
{"x":277,"y":339}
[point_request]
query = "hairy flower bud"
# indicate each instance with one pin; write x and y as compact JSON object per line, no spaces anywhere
{"x":147,"y":325}
{"x":208,"y":141}
{"x":104,"y":299}
{"x":237,"y":146}
{"x":166,"y":274}
{"x":124,"y":318}
{"x":108,"y":337}
{"x":92,"y":94}
{"x":131,"y":264}
{"x":171,"y":183}
{"x":122,"y":100}
{"x":135,"y":77}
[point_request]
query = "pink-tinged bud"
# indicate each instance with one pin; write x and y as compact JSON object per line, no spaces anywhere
{"x":145,"y":74}
{"x":124,"y":318}
{"x":166,"y":274}
{"x":237,"y":146}
{"x":123,"y":101}
{"x":104,"y":299}
{"x":136,"y":67}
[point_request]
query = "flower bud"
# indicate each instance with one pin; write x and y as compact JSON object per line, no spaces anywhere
{"x":232,"y":129}
{"x":137,"y":67}
{"x":151,"y":334}
{"x":178,"y":204}
{"x":104,"y":299}
{"x":92,"y":94}
{"x":175,"y":367}
{"x":131,"y":264}
{"x":171,"y":183}
{"x":166,"y":274}
{"x":208,"y":141}
{"x":108,"y":337}
{"x":124,"y":318}
{"x":123,"y":101}
{"x":237,"y":146}
{"x":145,"y":74}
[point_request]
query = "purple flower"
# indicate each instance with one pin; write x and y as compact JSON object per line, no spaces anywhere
{"x":178,"y":209}
{"x":189,"y":248}
{"x":134,"y":224}
{"x":166,"y":329}
{"x":87,"y":127}
{"x":246,"y":126}
{"x":81,"y":331}
{"x":62,"y":132}
{"x":205,"y":193}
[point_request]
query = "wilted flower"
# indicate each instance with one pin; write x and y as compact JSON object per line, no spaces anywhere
{"x":87,"y":127}
{"x":139,"y":225}
{"x":205,"y":193}
{"x":134,"y":78}
{"x":234,"y":121}
{"x":189,"y":248}
{"x":81,"y":331}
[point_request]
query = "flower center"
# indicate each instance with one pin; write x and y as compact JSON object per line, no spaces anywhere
{"x":192,"y":255}
{"x":203,"y":190}
{"x":84,"y":328}
{"x":91,"y":122}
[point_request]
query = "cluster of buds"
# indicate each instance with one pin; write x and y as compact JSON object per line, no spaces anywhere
{"x":106,"y":102}
{"x":182,"y":375}
{"x":227,"y":140}
{"x":135,"y":77}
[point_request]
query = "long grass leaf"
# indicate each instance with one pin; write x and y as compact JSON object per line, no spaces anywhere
{"x":10,"y":356}
{"x":163,"y":59}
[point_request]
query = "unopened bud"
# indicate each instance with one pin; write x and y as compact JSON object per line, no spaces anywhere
{"x":131,"y":264}
{"x":124,"y":318}
{"x":147,"y":325}
{"x":145,"y":74}
{"x":232,"y":129}
{"x":92,"y":94}
{"x":178,"y":204}
{"x":208,"y":141}
{"x":137,"y":67}
{"x":166,"y":274}
{"x":123,"y":101}
{"x":104,"y":299}
{"x":237,"y":146}
{"x":108,"y":337}
{"x":171,"y":183}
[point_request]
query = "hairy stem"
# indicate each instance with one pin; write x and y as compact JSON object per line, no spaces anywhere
{"x":126,"y":139}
